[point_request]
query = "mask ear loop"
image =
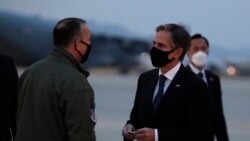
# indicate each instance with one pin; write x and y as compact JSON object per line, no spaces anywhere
{"x":78,"y":51}
{"x":172,"y":52}
{"x":181,"y":50}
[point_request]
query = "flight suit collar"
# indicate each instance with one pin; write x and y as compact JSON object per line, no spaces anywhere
{"x":64,"y":55}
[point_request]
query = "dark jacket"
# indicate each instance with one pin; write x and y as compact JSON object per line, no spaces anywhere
{"x":218,"y":124}
{"x":55,"y":101}
{"x":182,"y":112}
{"x":8,"y":100}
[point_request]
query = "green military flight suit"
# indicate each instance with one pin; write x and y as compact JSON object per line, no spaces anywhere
{"x":55,"y":101}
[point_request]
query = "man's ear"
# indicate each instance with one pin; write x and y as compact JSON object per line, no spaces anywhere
{"x":77,"y":43}
{"x":179,"y":51}
{"x":176,"y":53}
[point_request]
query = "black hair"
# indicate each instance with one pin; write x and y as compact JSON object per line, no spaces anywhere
{"x":66,"y":30}
{"x":199,"y":36}
{"x":180,"y":36}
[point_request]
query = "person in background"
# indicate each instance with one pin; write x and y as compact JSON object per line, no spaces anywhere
{"x":198,"y":54}
{"x":8,"y":100}
{"x":171,"y":103}
{"x":55,"y":99}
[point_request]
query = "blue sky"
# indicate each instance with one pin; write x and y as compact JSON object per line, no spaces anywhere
{"x":224,"y":22}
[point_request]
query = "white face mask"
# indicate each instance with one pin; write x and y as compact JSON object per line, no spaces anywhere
{"x":199,"y":58}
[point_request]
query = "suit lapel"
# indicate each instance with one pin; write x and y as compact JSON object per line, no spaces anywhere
{"x":148,"y":92}
{"x":210,"y":79}
{"x":176,"y":82}
{"x":151,"y":84}
{"x":174,"y":86}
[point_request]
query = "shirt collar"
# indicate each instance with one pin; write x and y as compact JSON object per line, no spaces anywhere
{"x":172,"y":72}
{"x":195,"y":70}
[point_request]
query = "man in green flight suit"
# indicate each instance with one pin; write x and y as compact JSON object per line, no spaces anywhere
{"x":55,"y":100}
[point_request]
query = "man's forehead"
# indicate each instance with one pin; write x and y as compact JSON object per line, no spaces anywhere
{"x":198,"y":41}
{"x":163,"y":35}
{"x":85,"y":28}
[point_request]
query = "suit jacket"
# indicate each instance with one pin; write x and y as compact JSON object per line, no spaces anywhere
{"x":218,"y":124}
{"x":182,"y":112}
{"x":8,"y":88}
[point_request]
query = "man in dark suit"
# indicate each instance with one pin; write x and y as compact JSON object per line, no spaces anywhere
{"x":198,"y":53}
{"x":171,"y":102}
{"x":8,"y":88}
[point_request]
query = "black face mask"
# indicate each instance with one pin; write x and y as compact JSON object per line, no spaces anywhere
{"x":159,"y":58}
{"x":84,"y":57}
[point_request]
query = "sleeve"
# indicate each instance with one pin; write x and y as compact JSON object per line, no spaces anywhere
{"x":76,"y":104}
{"x":134,"y":115}
{"x":220,"y":125}
{"x":198,"y":114}
{"x":14,"y":83}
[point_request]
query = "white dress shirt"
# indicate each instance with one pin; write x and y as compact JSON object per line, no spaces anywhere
{"x":196,"y":71}
{"x":170,"y":76}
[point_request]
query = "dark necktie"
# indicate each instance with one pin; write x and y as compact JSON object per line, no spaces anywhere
{"x":160,"y":92}
{"x":200,"y":74}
